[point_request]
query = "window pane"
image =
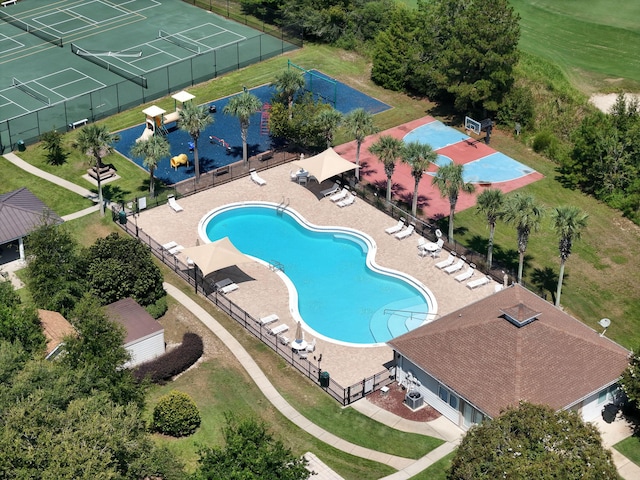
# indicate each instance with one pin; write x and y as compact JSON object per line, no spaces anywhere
{"x":453,"y":401}
{"x":443,"y":393}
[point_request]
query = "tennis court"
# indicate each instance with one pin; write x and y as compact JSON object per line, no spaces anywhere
{"x":116,"y":54}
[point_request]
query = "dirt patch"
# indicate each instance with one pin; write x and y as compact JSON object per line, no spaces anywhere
{"x":393,"y":401}
{"x":604,"y":102}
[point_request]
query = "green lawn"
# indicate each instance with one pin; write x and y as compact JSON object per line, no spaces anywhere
{"x":437,"y":471}
{"x":630,"y":448}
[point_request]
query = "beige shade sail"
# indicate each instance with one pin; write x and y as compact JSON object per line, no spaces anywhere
{"x":214,"y":256}
{"x":325,"y":165}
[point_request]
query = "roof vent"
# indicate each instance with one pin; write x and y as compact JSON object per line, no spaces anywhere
{"x":520,"y":315}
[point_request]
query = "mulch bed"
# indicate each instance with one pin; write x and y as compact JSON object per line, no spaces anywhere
{"x":393,"y":401}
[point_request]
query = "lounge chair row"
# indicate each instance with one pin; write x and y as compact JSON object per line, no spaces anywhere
{"x":343,"y":198}
{"x":173,"y":248}
{"x":401,"y":229}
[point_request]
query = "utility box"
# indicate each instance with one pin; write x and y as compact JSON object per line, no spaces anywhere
{"x":324,"y":379}
{"x":122,"y":217}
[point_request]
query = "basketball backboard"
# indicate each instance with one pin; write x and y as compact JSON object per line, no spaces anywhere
{"x":473,"y":125}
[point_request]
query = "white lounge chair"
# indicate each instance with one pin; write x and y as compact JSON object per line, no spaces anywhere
{"x":283,"y":340}
{"x":283,"y":327}
{"x":396,"y":228}
{"x":350,"y":200}
{"x":174,"y":205}
{"x":170,"y":245}
{"x":467,"y":274}
{"x":222,"y":283}
{"x":229,"y":288}
{"x":330,"y":191}
{"x":406,"y":232}
{"x":268,"y":319}
{"x":176,"y":250}
{"x":311,"y":347}
{"x":256,"y":178}
{"x":341,"y":195}
{"x":455,"y":267}
{"x":478,"y":282}
{"x":446,"y":262}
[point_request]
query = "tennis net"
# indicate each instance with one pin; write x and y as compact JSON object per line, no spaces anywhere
{"x":101,"y":62}
{"x":41,"y":34}
{"x":30,"y":91}
{"x":187,"y":45}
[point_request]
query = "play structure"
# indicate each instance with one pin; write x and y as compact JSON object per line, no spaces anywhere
{"x":155,"y":119}
{"x":219,"y":141}
{"x":178,"y":160}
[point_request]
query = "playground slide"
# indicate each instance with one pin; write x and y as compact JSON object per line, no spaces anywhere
{"x":147,"y":134}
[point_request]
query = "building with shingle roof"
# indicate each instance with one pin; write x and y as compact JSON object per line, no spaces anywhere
{"x":508,"y":347}
{"x":55,"y":328}
{"x":21,"y":212}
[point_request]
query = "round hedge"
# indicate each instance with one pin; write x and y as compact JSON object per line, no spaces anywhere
{"x":176,"y":414}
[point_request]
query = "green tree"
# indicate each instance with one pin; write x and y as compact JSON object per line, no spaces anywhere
{"x":533,"y":442}
{"x":96,"y":142}
{"x":52,"y":143}
{"x":418,"y":156}
{"x":288,"y":83}
{"x":359,"y":124}
{"x":328,"y":121}
{"x":568,"y":222}
{"x":630,"y":379}
{"x":55,"y":278}
{"x":449,"y":180}
{"x":523,"y":212}
{"x":120,"y":267}
{"x":193,"y":119}
{"x":303,"y":129}
{"x":19,"y":323}
{"x":490,"y":203}
{"x":176,"y":414}
{"x":242,"y":106}
{"x":250,"y":452}
{"x":153,"y":150}
{"x":388,"y":149}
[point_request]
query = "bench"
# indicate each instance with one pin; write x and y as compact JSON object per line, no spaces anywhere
{"x":9,"y":2}
{"x":265,"y":156}
{"x":221,"y":170}
{"x":79,"y":123}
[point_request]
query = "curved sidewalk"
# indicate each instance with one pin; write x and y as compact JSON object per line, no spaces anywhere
{"x":407,"y":467}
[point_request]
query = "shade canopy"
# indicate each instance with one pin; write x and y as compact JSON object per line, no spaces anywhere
{"x":325,"y":165}
{"x":215,"y":255}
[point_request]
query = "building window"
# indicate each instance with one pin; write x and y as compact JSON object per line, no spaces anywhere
{"x":443,"y":393}
{"x":453,"y":401}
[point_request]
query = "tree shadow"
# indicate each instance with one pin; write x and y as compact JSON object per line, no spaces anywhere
{"x":116,"y":194}
{"x":546,"y":279}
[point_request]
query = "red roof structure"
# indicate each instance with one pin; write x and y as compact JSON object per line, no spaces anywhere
{"x":514,"y":346}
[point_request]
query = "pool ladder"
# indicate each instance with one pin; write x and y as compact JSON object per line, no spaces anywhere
{"x":276,"y":266}
{"x":284,"y":203}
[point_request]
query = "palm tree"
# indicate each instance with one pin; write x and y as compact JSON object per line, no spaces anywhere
{"x":243,"y":106}
{"x":96,"y":141}
{"x":387,"y":149}
{"x":359,"y":124}
{"x":525,"y":213}
{"x":418,"y":156}
{"x":568,"y":222}
{"x":288,"y":83}
{"x":491,"y":204}
{"x":193,"y":120}
{"x":449,"y":180}
{"x":328,"y":121}
{"x":152,"y":149}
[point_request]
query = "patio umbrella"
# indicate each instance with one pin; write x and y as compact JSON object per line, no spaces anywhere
{"x":325,"y":165}
{"x":215,"y":255}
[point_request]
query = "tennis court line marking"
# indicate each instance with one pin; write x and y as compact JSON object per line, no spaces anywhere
{"x":4,"y":37}
{"x":11,"y":102}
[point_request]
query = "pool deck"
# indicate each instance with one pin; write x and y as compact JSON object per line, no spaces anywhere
{"x":262,"y":292}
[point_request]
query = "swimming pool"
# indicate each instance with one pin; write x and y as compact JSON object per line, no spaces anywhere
{"x":493,"y":168}
{"x":336,"y":289}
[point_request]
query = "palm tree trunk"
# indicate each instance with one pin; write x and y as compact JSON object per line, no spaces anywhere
{"x":414,"y":204}
{"x":452,"y":212}
{"x":196,"y":159}
{"x":244,"y":146}
{"x":520,"y":266}
{"x":100,"y":199}
{"x":389,"y":185}
{"x":151,"y":182}
{"x":358,"y":145}
{"x":559,"y":290}
{"x":492,"y":229}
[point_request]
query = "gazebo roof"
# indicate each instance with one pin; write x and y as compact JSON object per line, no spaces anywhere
{"x":154,"y":111}
{"x":21,"y":212}
{"x":183,"y":96}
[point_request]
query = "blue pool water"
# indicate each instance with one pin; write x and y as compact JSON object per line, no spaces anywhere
{"x":493,"y":168}
{"x":340,"y":296}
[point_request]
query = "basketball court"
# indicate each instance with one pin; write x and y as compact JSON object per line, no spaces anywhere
{"x":484,"y":166}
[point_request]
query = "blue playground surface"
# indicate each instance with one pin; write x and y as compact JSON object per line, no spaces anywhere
{"x":220,"y":143}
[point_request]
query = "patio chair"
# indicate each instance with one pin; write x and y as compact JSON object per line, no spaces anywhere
{"x":350,"y":200}
{"x":268,"y":319}
{"x":311,"y":347}
{"x":467,"y":274}
{"x":439,"y":244}
{"x":406,"y":232}
{"x":229,"y":288}
{"x":455,"y":267}
{"x":341,"y":195}
{"x":174,"y":205}
{"x":256,"y":178}
{"x":396,"y":228}
{"x":447,"y":262}
{"x":283,"y":340}
{"x":330,"y":191}
{"x":478,"y":282}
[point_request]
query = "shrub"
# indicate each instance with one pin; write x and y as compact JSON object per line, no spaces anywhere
{"x":176,"y":361}
{"x":176,"y":414}
{"x":157,"y":309}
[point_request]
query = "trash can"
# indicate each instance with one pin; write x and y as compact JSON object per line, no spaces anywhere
{"x":324,"y":379}
{"x":122,"y":217}
{"x":21,"y":146}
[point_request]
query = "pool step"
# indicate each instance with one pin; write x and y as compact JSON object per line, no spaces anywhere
{"x":396,"y":319}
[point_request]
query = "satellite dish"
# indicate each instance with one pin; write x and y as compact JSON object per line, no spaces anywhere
{"x":604,"y":323}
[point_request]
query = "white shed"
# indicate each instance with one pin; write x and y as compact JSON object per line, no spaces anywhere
{"x":145,"y":335}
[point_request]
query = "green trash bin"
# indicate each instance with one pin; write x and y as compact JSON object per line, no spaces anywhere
{"x":21,"y":146}
{"x":122,"y":217}
{"x":324,"y":379}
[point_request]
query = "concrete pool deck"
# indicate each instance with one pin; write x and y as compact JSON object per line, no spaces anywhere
{"x":262,"y":292}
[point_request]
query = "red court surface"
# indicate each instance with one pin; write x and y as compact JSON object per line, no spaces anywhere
{"x":429,"y":199}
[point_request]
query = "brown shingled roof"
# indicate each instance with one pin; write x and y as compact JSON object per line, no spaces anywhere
{"x":135,"y":319}
{"x":554,"y":360}
{"x":20,"y":213}
{"x":55,"y":328}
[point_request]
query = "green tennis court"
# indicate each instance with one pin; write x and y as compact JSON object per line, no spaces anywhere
{"x":66,"y":62}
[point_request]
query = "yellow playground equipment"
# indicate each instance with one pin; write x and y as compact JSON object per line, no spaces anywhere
{"x":178,"y":160}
